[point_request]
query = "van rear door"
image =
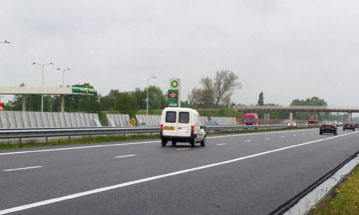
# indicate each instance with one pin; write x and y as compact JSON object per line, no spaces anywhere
{"x":170,"y":125}
{"x":184,"y":125}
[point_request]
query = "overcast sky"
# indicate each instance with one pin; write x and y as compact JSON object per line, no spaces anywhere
{"x":287,"y":49}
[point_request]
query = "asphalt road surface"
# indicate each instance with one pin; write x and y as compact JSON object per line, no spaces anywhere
{"x":234,"y":174}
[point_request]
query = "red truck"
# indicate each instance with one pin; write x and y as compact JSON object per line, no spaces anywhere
{"x":250,"y":119}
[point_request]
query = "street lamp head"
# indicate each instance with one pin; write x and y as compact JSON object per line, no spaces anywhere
{"x":153,"y":76}
{"x":33,"y":63}
{"x":51,"y":63}
{"x":58,"y":69}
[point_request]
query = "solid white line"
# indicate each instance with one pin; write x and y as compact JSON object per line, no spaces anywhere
{"x":247,"y":141}
{"x":221,"y":144}
{"x":103,"y":189}
{"x":126,"y":156}
{"x":135,"y":143}
{"x":282,"y":136}
{"x":294,"y":135}
{"x":267,"y":138}
{"x":80,"y":147}
{"x":24,"y":168}
{"x":182,"y":149}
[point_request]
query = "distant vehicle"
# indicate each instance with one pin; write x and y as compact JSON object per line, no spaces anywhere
{"x":356,"y":125}
{"x":328,"y":127}
{"x":250,"y":119}
{"x":349,"y":125}
{"x":181,"y":125}
{"x":292,"y":123}
{"x":312,"y":119}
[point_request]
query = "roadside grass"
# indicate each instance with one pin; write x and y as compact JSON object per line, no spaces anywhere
{"x":345,"y":199}
{"x":110,"y":138}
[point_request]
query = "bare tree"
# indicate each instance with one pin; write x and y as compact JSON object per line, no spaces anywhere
{"x":216,"y":91}
{"x":223,"y":86}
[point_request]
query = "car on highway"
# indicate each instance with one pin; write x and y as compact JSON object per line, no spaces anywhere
{"x":349,"y":125}
{"x":328,"y":127}
{"x":292,"y":123}
{"x":181,"y":125}
{"x":250,"y":119}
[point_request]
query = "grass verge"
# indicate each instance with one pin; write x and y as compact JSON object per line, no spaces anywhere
{"x":110,"y":138}
{"x":345,"y":199}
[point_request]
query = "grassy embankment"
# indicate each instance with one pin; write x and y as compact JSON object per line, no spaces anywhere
{"x":345,"y":199}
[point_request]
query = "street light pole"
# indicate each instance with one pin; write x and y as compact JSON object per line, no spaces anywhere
{"x":148,"y":80}
{"x":63,"y":75}
{"x":42,"y":82}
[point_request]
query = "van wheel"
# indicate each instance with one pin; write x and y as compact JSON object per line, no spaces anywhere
{"x":192,"y":142}
{"x":174,"y":143}
{"x":203,"y":142}
{"x":164,"y":142}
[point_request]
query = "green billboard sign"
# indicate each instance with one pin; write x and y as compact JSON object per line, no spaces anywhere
{"x":173,"y":98}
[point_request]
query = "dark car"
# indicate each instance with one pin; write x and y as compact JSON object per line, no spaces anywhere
{"x":356,"y":124}
{"x":349,"y":125}
{"x":328,"y":127}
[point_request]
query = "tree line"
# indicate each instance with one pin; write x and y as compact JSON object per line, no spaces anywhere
{"x":214,"y":93}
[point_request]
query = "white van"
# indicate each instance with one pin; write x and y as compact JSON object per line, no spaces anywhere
{"x":181,"y":125}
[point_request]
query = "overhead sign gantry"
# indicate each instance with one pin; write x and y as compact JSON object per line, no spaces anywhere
{"x":62,"y":91}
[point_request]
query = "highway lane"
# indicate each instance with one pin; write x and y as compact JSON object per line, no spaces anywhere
{"x":268,"y":179}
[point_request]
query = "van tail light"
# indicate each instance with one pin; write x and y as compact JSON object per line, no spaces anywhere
{"x":322,"y":126}
{"x":334,"y":127}
{"x":161,"y":128}
{"x":192,"y":129}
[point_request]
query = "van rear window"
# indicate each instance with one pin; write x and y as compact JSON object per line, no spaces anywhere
{"x":183,"y":117}
{"x":171,"y":116}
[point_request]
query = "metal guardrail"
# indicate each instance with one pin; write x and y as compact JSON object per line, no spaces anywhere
{"x":68,"y":132}
{"x":270,"y":108}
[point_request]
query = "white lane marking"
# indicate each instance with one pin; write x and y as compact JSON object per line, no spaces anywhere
{"x":282,"y":136}
{"x":221,"y":144}
{"x":80,"y":147}
{"x":181,"y":149}
{"x":247,"y":141}
{"x":136,"y":143}
{"x":294,"y":135}
{"x":23,"y":168}
{"x":126,"y":156}
{"x":103,"y":189}
{"x":267,"y":138}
